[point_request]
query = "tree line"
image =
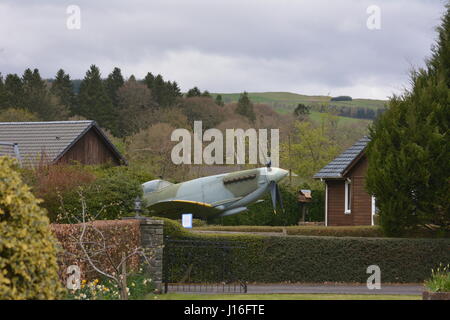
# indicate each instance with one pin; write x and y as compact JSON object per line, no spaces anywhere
{"x":122,"y":106}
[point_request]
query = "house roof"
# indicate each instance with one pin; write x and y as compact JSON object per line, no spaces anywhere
{"x":340,"y":165}
{"x":48,"y":140}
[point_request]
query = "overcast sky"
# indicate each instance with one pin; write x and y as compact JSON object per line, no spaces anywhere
{"x":312,"y":47}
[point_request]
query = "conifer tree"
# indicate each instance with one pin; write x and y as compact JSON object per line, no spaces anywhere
{"x":62,"y":88}
{"x":113,"y":83}
{"x":409,"y":152}
{"x":245,"y":107}
{"x":194,"y":92}
{"x":13,"y":91}
{"x":219,"y":100}
{"x":94,"y":102}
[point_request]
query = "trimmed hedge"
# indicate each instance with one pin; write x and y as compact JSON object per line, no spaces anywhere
{"x":307,"y":259}
{"x":354,"y":231}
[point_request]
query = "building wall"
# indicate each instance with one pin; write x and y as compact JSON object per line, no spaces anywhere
{"x":361,"y":202}
{"x":90,"y":149}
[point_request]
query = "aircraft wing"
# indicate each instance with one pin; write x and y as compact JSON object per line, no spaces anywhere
{"x":175,"y":208}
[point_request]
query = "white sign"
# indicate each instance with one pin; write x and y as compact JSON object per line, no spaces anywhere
{"x":186,"y":220}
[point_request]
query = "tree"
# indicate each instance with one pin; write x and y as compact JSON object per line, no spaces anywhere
{"x":113,"y":83}
{"x":310,"y":150}
{"x":219,"y":100}
{"x":13,"y":91}
{"x":409,"y":152}
{"x":62,"y":88}
{"x":38,"y":100}
{"x":194,"y":92}
{"x":245,"y":107}
{"x":17,"y":115}
{"x":135,"y":106}
{"x":28,"y":263}
{"x":94,"y":102}
{"x":301,"y":112}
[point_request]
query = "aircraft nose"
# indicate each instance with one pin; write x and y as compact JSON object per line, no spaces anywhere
{"x":276,"y":174}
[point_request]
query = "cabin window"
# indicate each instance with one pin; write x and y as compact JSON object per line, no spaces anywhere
{"x":348,"y":196}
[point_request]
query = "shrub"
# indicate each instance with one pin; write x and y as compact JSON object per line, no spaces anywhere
{"x":121,"y":236}
{"x":262,"y":213}
{"x":28,"y":266}
{"x":309,"y":259}
{"x":440,"y":279}
{"x":52,"y":182}
{"x":111,"y":190}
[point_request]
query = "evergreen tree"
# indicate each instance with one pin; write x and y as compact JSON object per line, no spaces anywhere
{"x":301,"y":112}
{"x":409,"y":152}
{"x":245,"y":107}
{"x":13,"y":91}
{"x":94,"y":102}
{"x":3,"y":98}
{"x":38,"y":100}
{"x":194,"y":92}
{"x":62,"y":88}
{"x":219,"y":100}
{"x":113,"y":83}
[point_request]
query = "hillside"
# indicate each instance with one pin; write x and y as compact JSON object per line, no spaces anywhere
{"x":285,"y":102}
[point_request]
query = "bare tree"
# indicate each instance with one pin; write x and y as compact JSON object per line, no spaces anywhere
{"x":99,"y":249}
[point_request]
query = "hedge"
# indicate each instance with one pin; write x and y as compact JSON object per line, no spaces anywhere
{"x":353,"y":231}
{"x":121,"y":236}
{"x":306,"y":259}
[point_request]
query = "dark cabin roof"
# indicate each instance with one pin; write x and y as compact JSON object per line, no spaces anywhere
{"x":336,"y":168}
{"x":48,"y":139}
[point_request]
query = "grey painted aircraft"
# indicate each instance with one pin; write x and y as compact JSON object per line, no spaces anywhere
{"x":213,"y":196}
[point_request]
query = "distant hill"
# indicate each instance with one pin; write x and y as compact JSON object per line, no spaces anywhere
{"x":285,"y":102}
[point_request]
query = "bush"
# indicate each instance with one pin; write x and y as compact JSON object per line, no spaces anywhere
{"x":109,"y":190}
{"x":122,"y":236}
{"x":440,"y":279}
{"x":262,"y":214}
{"x":311,"y":259}
{"x":28,"y":266}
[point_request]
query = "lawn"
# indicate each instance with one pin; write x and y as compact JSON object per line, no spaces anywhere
{"x":282,"y":296}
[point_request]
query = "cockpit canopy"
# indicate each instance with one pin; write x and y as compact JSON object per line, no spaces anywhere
{"x":155,"y":185}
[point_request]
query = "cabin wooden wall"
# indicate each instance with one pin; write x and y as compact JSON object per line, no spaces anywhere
{"x":90,"y":149}
{"x":361,"y":208}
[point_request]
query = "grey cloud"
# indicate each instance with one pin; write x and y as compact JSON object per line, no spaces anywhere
{"x":312,"y":47}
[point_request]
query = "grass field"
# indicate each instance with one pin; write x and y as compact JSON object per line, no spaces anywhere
{"x":284,"y":102}
{"x":179,"y":296}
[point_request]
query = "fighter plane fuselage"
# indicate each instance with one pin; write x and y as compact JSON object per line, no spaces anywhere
{"x":205,"y":197}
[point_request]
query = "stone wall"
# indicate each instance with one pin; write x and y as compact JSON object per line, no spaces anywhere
{"x":152,"y":240}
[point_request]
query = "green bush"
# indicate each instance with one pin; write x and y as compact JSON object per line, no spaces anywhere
{"x":262,"y":214}
{"x":440,"y":279}
{"x":309,"y":259}
{"x":28,"y":265}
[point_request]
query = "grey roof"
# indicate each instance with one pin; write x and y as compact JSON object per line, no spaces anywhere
{"x":337,"y":167}
{"x":47,"y":140}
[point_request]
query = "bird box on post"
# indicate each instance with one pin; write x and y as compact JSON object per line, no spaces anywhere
{"x":304,"y":196}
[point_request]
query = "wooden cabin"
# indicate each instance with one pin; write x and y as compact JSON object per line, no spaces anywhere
{"x":51,"y":142}
{"x":347,"y":203}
